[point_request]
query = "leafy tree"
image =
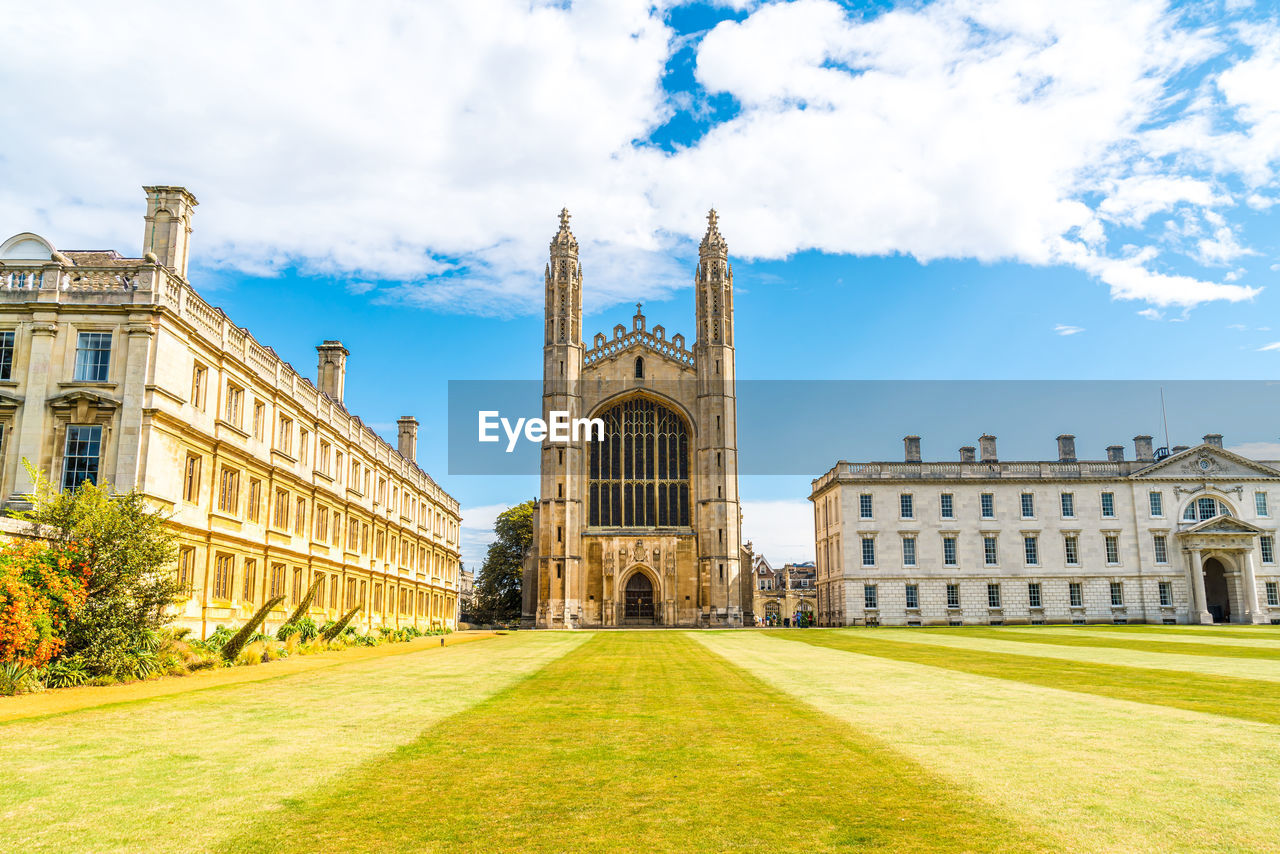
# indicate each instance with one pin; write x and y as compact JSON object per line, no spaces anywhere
{"x":498,"y":583}
{"x":129,"y":554}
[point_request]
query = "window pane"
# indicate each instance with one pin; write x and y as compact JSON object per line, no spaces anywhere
{"x":93,"y":357}
{"x":81,"y":455}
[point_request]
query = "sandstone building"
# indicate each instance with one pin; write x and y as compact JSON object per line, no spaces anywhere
{"x":115,"y":370}
{"x":783,"y":596}
{"x":642,"y":526}
{"x":1187,"y":536}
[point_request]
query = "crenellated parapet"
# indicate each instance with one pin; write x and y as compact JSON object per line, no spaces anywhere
{"x":623,"y":339}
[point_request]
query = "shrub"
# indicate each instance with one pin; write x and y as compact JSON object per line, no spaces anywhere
{"x":237,"y":642}
{"x":254,"y":653}
{"x":303,"y":606}
{"x":66,"y":673}
{"x":342,"y":626}
{"x":16,"y":678}
{"x":42,"y":588}
{"x":218,"y":639}
{"x":129,"y":554}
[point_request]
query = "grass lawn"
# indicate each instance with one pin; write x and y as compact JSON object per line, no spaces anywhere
{"x":811,"y":740}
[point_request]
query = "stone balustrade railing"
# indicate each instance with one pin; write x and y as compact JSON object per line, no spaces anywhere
{"x":976,"y":470}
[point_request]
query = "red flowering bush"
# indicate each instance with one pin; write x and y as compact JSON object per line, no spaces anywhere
{"x":42,"y":588}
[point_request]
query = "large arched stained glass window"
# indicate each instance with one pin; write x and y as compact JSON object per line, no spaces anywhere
{"x":640,"y":470}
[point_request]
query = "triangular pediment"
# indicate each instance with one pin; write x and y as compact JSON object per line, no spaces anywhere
{"x":1207,"y":461}
{"x":1223,"y":525}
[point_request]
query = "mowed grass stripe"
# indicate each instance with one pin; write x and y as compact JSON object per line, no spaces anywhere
{"x":1181,"y":646}
{"x":177,"y":773}
{"x":1221,"y":630}
{"x":1218,"y":695}
{"x":1090,"y":773}
{"x":1236,"y":668}
{"x":1152,"y":635}
{"x":640,"y":741}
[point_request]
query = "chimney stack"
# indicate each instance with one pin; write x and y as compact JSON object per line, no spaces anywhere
{"x":1142,"y":450}
{"x":408,"y":445}
{"x":1115,"y":453}
{"x":967,"y":454}
{"x":1066,"y":448}
{"x":331,"y":375}
{"x":1214,"y":439}
{"x":1177,"y":449}
{"x":987,"y":445}
{"x":167,"y":232}
{"x":912,"y":446}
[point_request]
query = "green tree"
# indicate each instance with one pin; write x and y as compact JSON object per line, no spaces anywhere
{"x":130,"y":553}
{"x":498,"y":582}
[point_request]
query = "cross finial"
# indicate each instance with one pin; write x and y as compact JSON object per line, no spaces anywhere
{"x":564,"y":218}
{"x":638,"y":311}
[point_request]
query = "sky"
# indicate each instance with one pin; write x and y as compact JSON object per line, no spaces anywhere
{"x":955,"y":190}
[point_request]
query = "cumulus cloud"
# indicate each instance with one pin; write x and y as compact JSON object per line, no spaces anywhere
{"x":425,"y":149}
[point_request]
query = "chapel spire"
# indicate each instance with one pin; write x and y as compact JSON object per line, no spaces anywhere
{"x":564,"y":287}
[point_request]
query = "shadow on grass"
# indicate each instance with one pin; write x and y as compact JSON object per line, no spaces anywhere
{"x":640,"y":741}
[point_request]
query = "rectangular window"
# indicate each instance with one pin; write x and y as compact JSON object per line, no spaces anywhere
{"x":953,"y":595}
{"x":191,"y":479}
{"x":868,"y":551}
{"x":864,"y":506}
{"x":990,"y":557}
{"x":1268,"y":546}
{"x":1076,"y":592}
{"x":300,"y":517}
{"x":1273,"y":593}
{"x":988,"y":502}
{"x":1260,"y":503}
{"x":913,"y":596}
{"x":908,"y":551}
{"x":1166,"y":594}
{"x":277,"y":580}
{"x":6,"y":354}
{"x":869,"y":597}
{"x":81,"y":455}
{"x":224,"y":565}
{"x":93,"y":357}
{"x":259,"y":420}
{"x":1117,"y":594}
{"x":235,"y":400}
{"x":255,"y":500}
{"x":322,"y":524}
{"x":199,"y":379}
{"x":1028,"y":505}
{"x":1033,"y":595}
{"x":1156,"y":500}
{"x":281,"y":516}
{"x":336,"y":523}
{"x":250,"y":579}
{"x":187,"y":569}
{"x":284,"y":440}
{"x":304,"y":447}
{"x":297,"y":586}
{"x":1208,"y":508}
{"x":1113,"y":548}
{"x":1068,"y":505}
{"x":946,"y":504}
{"x":1162,"y":548}
{"x":1031,"y":546}
{"x":908,"y":506}
{"x":1071,"y":545}
{"x":993,"y":595}
{"x":1108,"y":505}
{"x":321,"y":580}
{"x":948,"y":551}
{"x":229,"y":490}
{"x":322,"y":457}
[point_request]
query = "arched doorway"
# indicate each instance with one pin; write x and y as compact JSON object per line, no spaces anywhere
{"x":639,"y":598}
{"x":1217,"y":597}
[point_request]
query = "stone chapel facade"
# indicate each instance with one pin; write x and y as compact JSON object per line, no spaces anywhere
{"x":641,"y":527}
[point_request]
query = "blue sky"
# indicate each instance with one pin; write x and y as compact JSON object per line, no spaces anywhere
{"x":993,"y":190}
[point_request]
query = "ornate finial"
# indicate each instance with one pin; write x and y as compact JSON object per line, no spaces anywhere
{"x":564,"y":239}
{"x":713,"y":241}
{"x":638,"y":311}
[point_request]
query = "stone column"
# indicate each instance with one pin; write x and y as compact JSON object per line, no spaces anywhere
{"x":31,"y":429}
{"x":137,"y":355}
{"x":1252,"y":611}
{"x":1197,"y":588}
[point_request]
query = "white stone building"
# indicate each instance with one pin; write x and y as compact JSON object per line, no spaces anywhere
{"x":114,"y":369}
{"x":1171,"y":537}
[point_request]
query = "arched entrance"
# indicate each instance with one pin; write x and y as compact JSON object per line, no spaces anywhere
{"x":1217,"y":597}
{"x":639,"y":599}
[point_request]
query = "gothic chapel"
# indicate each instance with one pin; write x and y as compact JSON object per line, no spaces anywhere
{"x":642,"y":527}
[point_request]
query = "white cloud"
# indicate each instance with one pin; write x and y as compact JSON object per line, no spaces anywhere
{"x":427,"y":147}
{"x":782,"y":531}
{"x":1275,"y":345}
{"x":1257,"y":450}
{"x":1063,"y":329}
{"x":477,"y":532}
{"x":1151,"y":314}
